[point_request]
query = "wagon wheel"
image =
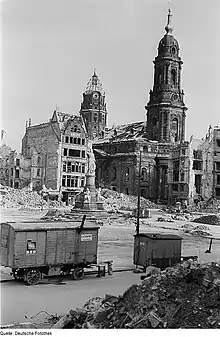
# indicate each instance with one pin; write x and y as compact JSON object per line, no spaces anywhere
{"x":78,"y":273}
{"x":33,"y":276}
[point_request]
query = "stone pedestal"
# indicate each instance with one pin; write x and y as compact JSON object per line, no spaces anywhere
{"x":90,"y":185}
{"x":89,"y":199}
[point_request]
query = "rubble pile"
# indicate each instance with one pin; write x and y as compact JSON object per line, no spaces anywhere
{"x":200,"y":230}
{"x":208,"y":219}
{"x":24,"y":198}
{"x":211,"y":205}
{"x":114,"y":201}
{"x":184,"y":296}
{"x":56,"y":214}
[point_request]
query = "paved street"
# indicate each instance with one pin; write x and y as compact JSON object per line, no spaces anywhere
{"x":18,"y":300}
{"x":116,"y":243}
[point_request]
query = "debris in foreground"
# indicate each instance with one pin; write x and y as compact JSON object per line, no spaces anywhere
{"x":209,"y":220}
{"x":184,"y":296}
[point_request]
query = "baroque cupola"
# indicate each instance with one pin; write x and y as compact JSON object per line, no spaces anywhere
{"x":166,"y":109}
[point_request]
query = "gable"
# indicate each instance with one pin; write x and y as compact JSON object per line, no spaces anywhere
{"x":74,"y":125}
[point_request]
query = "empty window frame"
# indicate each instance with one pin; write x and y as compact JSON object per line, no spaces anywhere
{"x":74,"y":153}
{"x":127,"y":173}
{"x":16,"y":173}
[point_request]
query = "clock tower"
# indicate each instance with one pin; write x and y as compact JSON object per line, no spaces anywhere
{"x":166,"y":110}
{"x":93,"y":108}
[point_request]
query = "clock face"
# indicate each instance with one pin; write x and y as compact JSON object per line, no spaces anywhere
{"x":95,"y":95}
{"x":174,"y":97}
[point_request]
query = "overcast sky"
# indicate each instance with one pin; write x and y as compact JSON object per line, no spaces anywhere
{"x":51,"y":47}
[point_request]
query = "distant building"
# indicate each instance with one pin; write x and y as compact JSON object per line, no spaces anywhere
{"x":216,"y":164}
{"x":93,"y":108}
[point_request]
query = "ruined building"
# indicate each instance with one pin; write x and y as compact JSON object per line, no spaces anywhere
{"x":204,"y":164}
{"x":216,"y":162}
{"x":53,"y":156}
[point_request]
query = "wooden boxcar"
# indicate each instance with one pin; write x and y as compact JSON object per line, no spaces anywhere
{"x":153,"y":249}
{"x":52,"y":248}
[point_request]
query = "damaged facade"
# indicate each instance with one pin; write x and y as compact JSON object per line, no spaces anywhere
{"x":216,"y":164}
{"x":204,"y":164}
{"x":53,"y":157}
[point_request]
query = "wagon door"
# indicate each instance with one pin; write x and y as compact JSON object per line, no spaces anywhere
{"x":6,"y":245}
{"x":87,"y":244}
{"x":60,"y":246}
{"x":142,"y":251}
{"x":70,"y":246}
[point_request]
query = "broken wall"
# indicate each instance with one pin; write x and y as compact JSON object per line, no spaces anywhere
{"x":201,"y":168}
{"x":41,"y":143}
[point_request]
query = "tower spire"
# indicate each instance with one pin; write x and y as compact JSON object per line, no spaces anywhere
{"x":168,"y":27}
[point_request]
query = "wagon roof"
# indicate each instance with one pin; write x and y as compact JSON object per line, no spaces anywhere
{"x":159,"y":236}
{"x":49,"y":225}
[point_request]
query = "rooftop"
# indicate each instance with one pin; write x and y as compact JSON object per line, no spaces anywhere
{"x":120,"y":133}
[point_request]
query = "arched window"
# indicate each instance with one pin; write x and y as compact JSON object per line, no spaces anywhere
{"x":154,"y":121}
{"x":160,"y":74}
{"x":173,"y":50}
{"x":127,"y":173}
{"x":144,"y":174}
{"x":143,"y":193}
{"x":174,"y":128}
{"x":173,"y":76}
{"x":167,"y":71}
{"x":114,"y":173}
{"x":75,"y":128}
{"x":38,"y":161}
{"x":126,"y":191}
{"x":145,"y":148}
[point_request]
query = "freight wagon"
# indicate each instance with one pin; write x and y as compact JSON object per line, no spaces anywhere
{"x":32,"y":249}
{"x":154,"y":249}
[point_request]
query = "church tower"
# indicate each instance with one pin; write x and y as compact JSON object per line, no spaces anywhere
{"x":166,"y":110}
{"x":93,"y":108}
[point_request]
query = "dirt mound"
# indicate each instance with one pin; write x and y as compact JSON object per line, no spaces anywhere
{"x":184,"y":296}
{"x":209,"y":220}
{"x":114,"y":201}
